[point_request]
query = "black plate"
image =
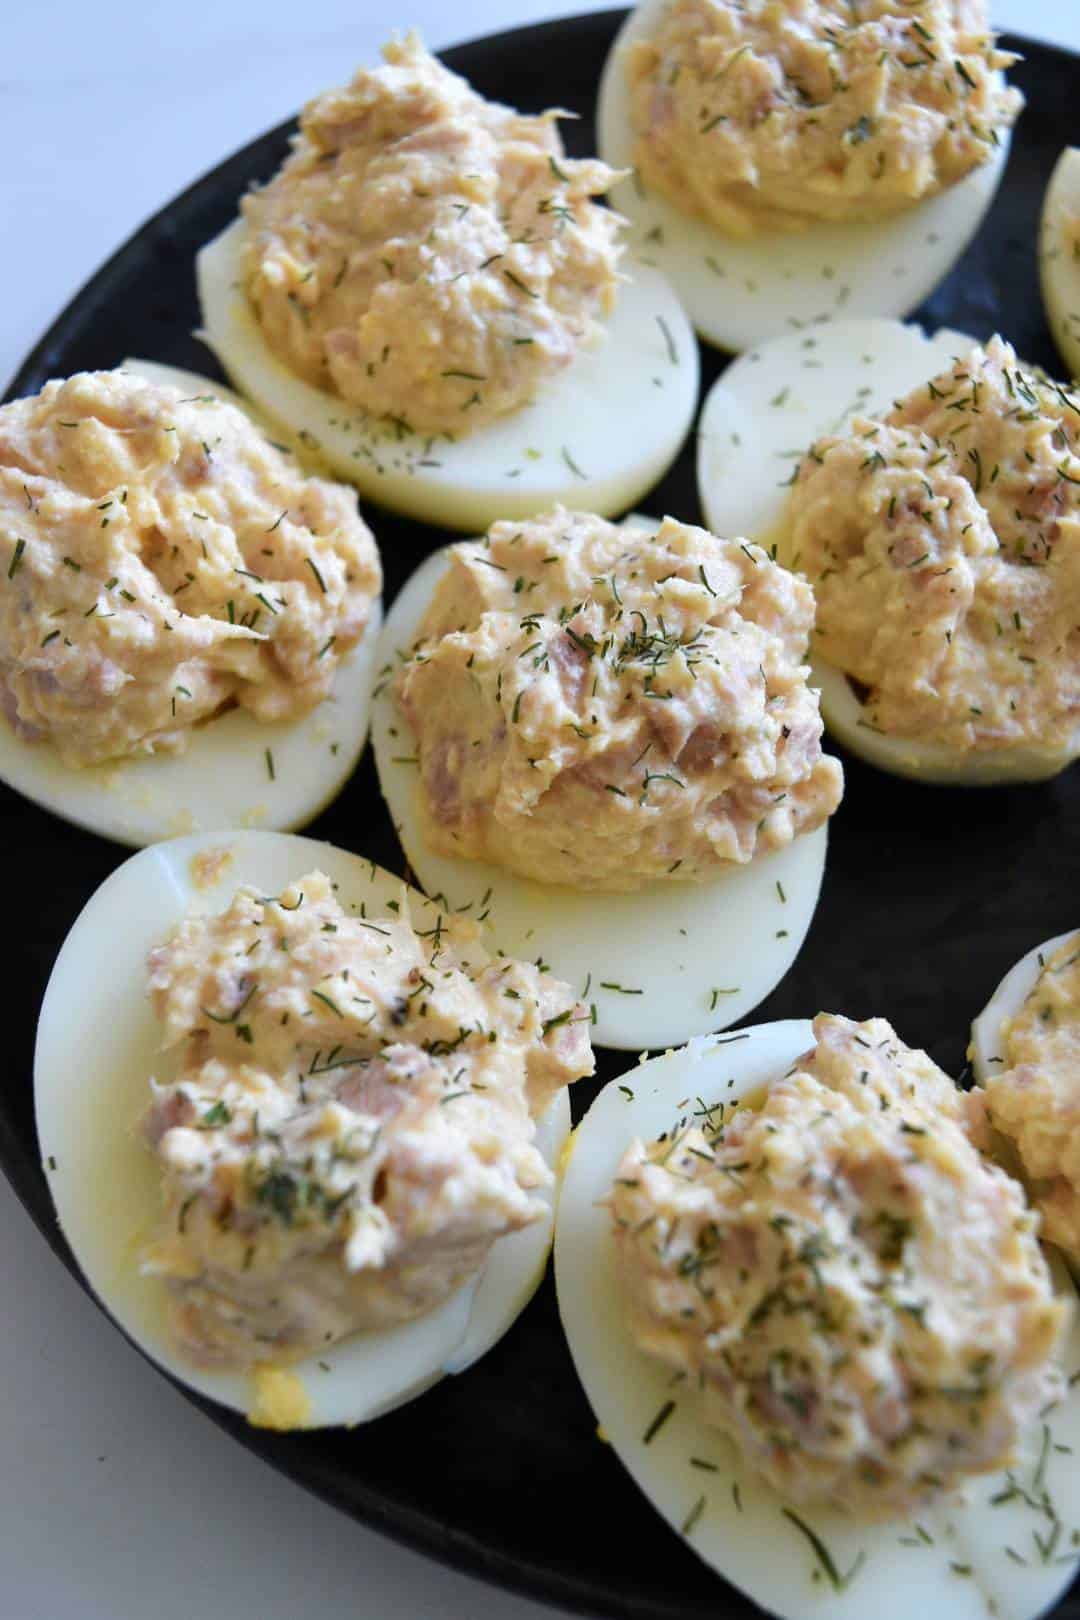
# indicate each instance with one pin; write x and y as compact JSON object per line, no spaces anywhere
{"x":931,"y":894}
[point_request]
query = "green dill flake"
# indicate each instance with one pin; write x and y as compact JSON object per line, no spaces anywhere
{"x":519,"y":284}
{"x":658,"y":1422}
{"x":336,"y":1010}
{"x":218,"y":1018}
{"x":280,"y":1193}
{"x":693,"y":1516}
{"x":673,"y":353}
{"x":839,"y":1582}
{"x":554,"y":1023}
{"x":216,"y":1115}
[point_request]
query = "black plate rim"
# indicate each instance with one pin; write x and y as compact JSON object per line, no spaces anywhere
{"x":410,"y":1528}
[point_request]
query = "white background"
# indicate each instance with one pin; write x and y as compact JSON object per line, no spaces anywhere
{"x":117,"y":1500}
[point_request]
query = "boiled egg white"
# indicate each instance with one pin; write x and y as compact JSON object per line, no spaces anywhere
{"x":658,"y":965}
{"x":97,"y":1045}
{"x":968,"y":1558}
{"x":595,"y":438}
{"x":985,"y":1052}
{"x":1059,"y":256}
{"x":793,"y":390}
{"x":740,"y":292}
{"x":236,"y":771}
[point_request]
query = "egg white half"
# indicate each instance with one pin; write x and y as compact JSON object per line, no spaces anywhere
{"x":1059,"y":265}
{"x":596,"y":437}
{"x":921,"y":759}
{"x":794,"y":390}
{"x":98,"y":1044}
{"x":657,"y":965}
{"x":739,"y":292}
{"x":951,"y":1562}
{"x":985,"y":1052}
{"x":235,"y":772}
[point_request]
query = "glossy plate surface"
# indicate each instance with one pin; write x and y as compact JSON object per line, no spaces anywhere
{"x":930,"y":895}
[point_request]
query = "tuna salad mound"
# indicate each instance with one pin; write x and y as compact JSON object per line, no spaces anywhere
{"x":943,"y":545}
{"x":858,"y":1294}
{"x":1034,"y":1098}
{"x":599,"y":707}
{"x":778,"y":113}
{"x":164,"y":561}
{"x":351,"y":1125}
{"x":427,"y":255}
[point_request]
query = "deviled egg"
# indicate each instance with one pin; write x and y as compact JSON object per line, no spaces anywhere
{"x":1025,"y":1054}
{"x":312,"y":1171}
{"x":429,"y":292}
{"x":1059,"y":257}
{"x":599,"y":740}
{"x":187,"y":619}
{"x":941,"y":534}
{"x":839,"y":1349}
{"x":798,"y":161}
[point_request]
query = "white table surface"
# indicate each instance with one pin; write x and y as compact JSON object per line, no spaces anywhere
{"x":117,"y":1499}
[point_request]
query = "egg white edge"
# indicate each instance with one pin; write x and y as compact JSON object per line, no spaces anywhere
{"x":740,"y":492}
{"x":156,"y":886}
{"x":1059,"y":270}
{"x":846,"y":261}
{"x":548,"y":922}
{"x":988,"y":1029}
{"x":516,"y":466}
{"x":730,"y":1517}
